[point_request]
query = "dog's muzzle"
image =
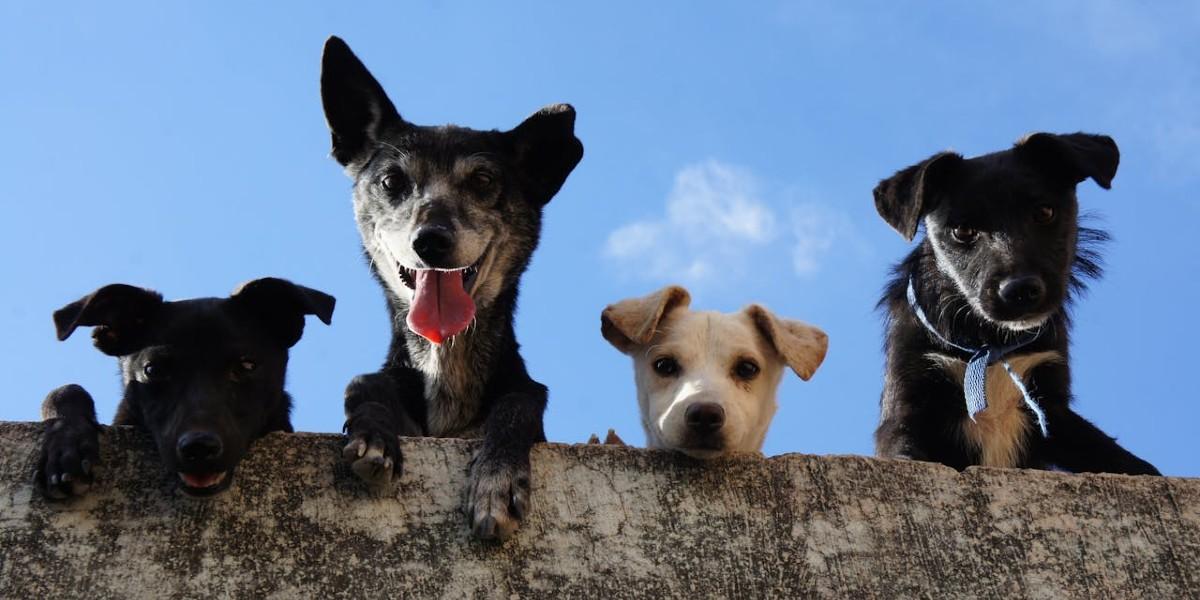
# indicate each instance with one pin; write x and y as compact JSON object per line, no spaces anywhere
{"x":199,"y":454}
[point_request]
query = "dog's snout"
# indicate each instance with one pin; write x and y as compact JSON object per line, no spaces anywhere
{"x":1022,"y":292}
{"x":434,"y":244}
{"x":199,"y":445}
{"x":705,"y":417}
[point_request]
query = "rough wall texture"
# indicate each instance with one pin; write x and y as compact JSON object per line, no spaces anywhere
{"x":607,"y":523}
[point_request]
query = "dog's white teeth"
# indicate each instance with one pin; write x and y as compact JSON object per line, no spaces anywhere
{"x":407,"y":276}
{"x":468,"y":275}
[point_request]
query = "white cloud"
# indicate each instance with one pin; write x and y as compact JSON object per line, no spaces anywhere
{"x":815,"y":230}
{"x":721,"y":202}
{"x":718,"y":223}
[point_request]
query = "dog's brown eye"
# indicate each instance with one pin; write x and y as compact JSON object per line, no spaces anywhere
{"x":1044,"y":214}
{"x":152,"y":371}
{"x":964,"y":235}
{"x":666,"y":366}
{"x":745,"y":370}
{"x":392,"y":182}
{"x":247,"y":365}
{"x":483,"y":179}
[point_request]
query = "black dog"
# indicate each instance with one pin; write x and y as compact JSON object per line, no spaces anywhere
{"x":449,"y":218}
{"x":978,"y":312}
{"x":204,"y":377}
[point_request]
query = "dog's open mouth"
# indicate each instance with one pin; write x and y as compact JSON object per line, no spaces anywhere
{"x":442,"y":306}
{"x":468,"y":274}
{"x":203,"y":484}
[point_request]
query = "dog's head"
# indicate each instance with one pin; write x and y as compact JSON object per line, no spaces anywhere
{"x":1003,"y":226}
{"x":706,"y":380}
{"x":204,"y":376}
{"x":449,"y":216}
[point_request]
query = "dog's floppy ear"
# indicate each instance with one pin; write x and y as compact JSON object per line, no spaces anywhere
{"x":633,"y":322}
{"x":356,"y":107}
{"x":1072,"y":157}
{"x":801,"y":345}
{"x":119,"y":314}
{"x":280,"y":306}
{"x":905,"y":197}
{"x":547,"y":149}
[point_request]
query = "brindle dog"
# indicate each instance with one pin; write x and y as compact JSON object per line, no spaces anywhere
{"x":449,"y":218}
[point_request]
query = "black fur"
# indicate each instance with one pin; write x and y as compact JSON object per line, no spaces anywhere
{"x":204,"y":377}
{"x":474,"y":384}
{"x":996,"y":204}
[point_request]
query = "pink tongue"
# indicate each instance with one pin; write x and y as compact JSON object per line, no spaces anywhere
{"x":441,"y":308}
{"x":201,"y":480}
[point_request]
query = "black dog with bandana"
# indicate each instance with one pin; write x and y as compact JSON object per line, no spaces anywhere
{"x":978,"y":323}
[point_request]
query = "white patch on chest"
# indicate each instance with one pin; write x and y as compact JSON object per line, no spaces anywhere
{"x":1001,"y":431}
{"x":452,"y":391}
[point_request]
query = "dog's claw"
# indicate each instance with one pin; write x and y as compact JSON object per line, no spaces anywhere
{"x":518,"y":504}
{"x":485,"y":528}
{"x":371,"y":461}
{"x":355,"y":449}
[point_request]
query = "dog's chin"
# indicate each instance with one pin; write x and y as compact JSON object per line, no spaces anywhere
{"x":701,"y":453}
{"x":704,"y":448}
{"x":1023,"y":324}
{"x":204,"y":484}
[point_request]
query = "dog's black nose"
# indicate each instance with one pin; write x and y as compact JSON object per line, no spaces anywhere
{"x":198,"y":445}
{"x":704,"y":417}
{"x":1022,"y":292}
{"x":434,"y":243}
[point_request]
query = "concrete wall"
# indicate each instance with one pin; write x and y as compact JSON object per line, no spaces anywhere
{"x":607,"y":523}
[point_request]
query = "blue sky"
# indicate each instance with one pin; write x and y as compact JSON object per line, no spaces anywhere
{"x":731,"y":148}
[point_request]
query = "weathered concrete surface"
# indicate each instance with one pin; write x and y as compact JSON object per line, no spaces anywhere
{"x":607,"y":523}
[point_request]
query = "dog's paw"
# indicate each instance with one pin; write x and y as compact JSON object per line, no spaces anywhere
{"x":374,"y":457}
{"x":497,"y":497}
{"x":373,"y":448}
{"x":70,"y":453}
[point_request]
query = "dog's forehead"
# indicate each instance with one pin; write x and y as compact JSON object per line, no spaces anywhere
{"x":727,"y":333}
{"x":203,"y":322}
{"x":998,"y":180}
{"x":1002,"y":170}
{"x":447,"y":144}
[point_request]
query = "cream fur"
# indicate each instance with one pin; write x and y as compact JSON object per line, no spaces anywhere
{"x":1001,"y":431}
{"x":707,"y":345}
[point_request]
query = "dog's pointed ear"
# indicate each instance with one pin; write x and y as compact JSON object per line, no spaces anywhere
{"x":1072,"y":157}
{"x":631,"y":323}
{"x":357,"y":109}
{"x":905,"y":197}
{"x":119,"y":314}
{"x":547,"y":149}
{"x":801,"y":345}
{"x":280,"y":306}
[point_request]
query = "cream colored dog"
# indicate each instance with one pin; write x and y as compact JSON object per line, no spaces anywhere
{"x":706,"y":381}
